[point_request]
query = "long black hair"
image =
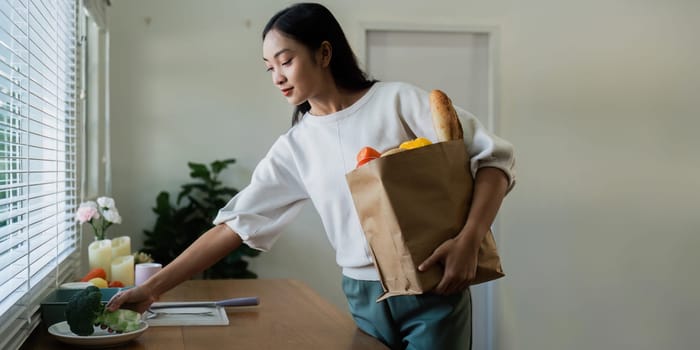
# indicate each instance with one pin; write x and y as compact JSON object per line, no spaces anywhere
{"x":311,"y":24}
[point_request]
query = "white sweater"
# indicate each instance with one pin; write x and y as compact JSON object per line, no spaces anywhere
{"x":310,"y":162}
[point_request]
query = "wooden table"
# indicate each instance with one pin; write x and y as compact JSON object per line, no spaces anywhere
{"x":290,"y":316}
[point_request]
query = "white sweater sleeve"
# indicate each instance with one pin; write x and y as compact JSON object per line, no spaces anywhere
{"x":260,"y":211}
{"x":485,"y":149}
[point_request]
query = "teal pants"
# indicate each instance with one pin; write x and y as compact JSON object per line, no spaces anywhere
{"x":411,"y":322}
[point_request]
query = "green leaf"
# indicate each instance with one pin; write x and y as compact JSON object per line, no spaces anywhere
{"x":219,"y":165}
{"x":198,"y":170}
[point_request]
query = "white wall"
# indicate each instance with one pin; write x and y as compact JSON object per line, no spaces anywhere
{"x":600,"y":98}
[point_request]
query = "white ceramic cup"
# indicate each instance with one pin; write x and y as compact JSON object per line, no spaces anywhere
{"x":144,"y":271}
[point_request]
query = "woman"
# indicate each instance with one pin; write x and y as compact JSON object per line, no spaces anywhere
{"x":339,"y":111}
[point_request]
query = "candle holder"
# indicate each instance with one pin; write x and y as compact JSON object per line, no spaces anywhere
{"x":100,"y":255}
{"x":121,"y":246}
{"x":123,"y":270}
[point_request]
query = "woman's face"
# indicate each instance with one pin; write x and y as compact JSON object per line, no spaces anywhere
{"x":294,"y":71}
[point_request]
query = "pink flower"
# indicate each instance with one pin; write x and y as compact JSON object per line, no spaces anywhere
{"x":86,"y":212}
{"x":101,"y":214}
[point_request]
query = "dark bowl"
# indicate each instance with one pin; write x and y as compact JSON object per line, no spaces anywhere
{"x":54,"y":305}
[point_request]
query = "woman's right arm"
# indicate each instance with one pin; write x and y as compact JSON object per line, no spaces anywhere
{"x":212,"y":246}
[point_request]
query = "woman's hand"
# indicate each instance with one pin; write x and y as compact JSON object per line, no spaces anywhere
{"x":138,"y":299}
{"x":459,"y":258}
{"x":459,"y":255}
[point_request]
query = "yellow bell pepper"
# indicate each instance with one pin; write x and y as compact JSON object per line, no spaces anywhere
{"x":99,"y":282}
{"x":419,"y":142}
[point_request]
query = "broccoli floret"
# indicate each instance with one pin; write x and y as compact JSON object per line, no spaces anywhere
{"x":85,"y":310}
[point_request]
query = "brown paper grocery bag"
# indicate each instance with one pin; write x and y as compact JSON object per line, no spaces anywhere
{"x":411,"y":202}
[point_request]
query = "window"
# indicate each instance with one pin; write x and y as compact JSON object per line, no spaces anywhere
{"x":38,"y":165}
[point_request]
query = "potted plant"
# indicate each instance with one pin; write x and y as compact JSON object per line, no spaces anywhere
{"x":179,"y":225}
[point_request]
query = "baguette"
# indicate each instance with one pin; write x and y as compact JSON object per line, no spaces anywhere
{"x":445,"y":120}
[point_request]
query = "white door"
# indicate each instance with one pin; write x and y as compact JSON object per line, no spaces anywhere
{"x":459,"y":63}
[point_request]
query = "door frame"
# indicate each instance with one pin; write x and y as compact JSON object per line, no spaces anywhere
{"x":493,"y":33}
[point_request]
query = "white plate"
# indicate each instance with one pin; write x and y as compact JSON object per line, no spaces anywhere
{"x":101,"y":337}
{"x":75,"y":285}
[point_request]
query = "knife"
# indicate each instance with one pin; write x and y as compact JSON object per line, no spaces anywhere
{"x":246,"y":301}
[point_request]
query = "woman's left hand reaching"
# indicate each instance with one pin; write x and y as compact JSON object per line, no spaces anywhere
{"x":458,"y":256}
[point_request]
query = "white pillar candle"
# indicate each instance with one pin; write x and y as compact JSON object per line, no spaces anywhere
{"x":100,"y":255}
{"x":121,"y":246}
{"x":123,"y":270}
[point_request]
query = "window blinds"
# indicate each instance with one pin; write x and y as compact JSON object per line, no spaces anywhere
{"x":38,"y":186}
